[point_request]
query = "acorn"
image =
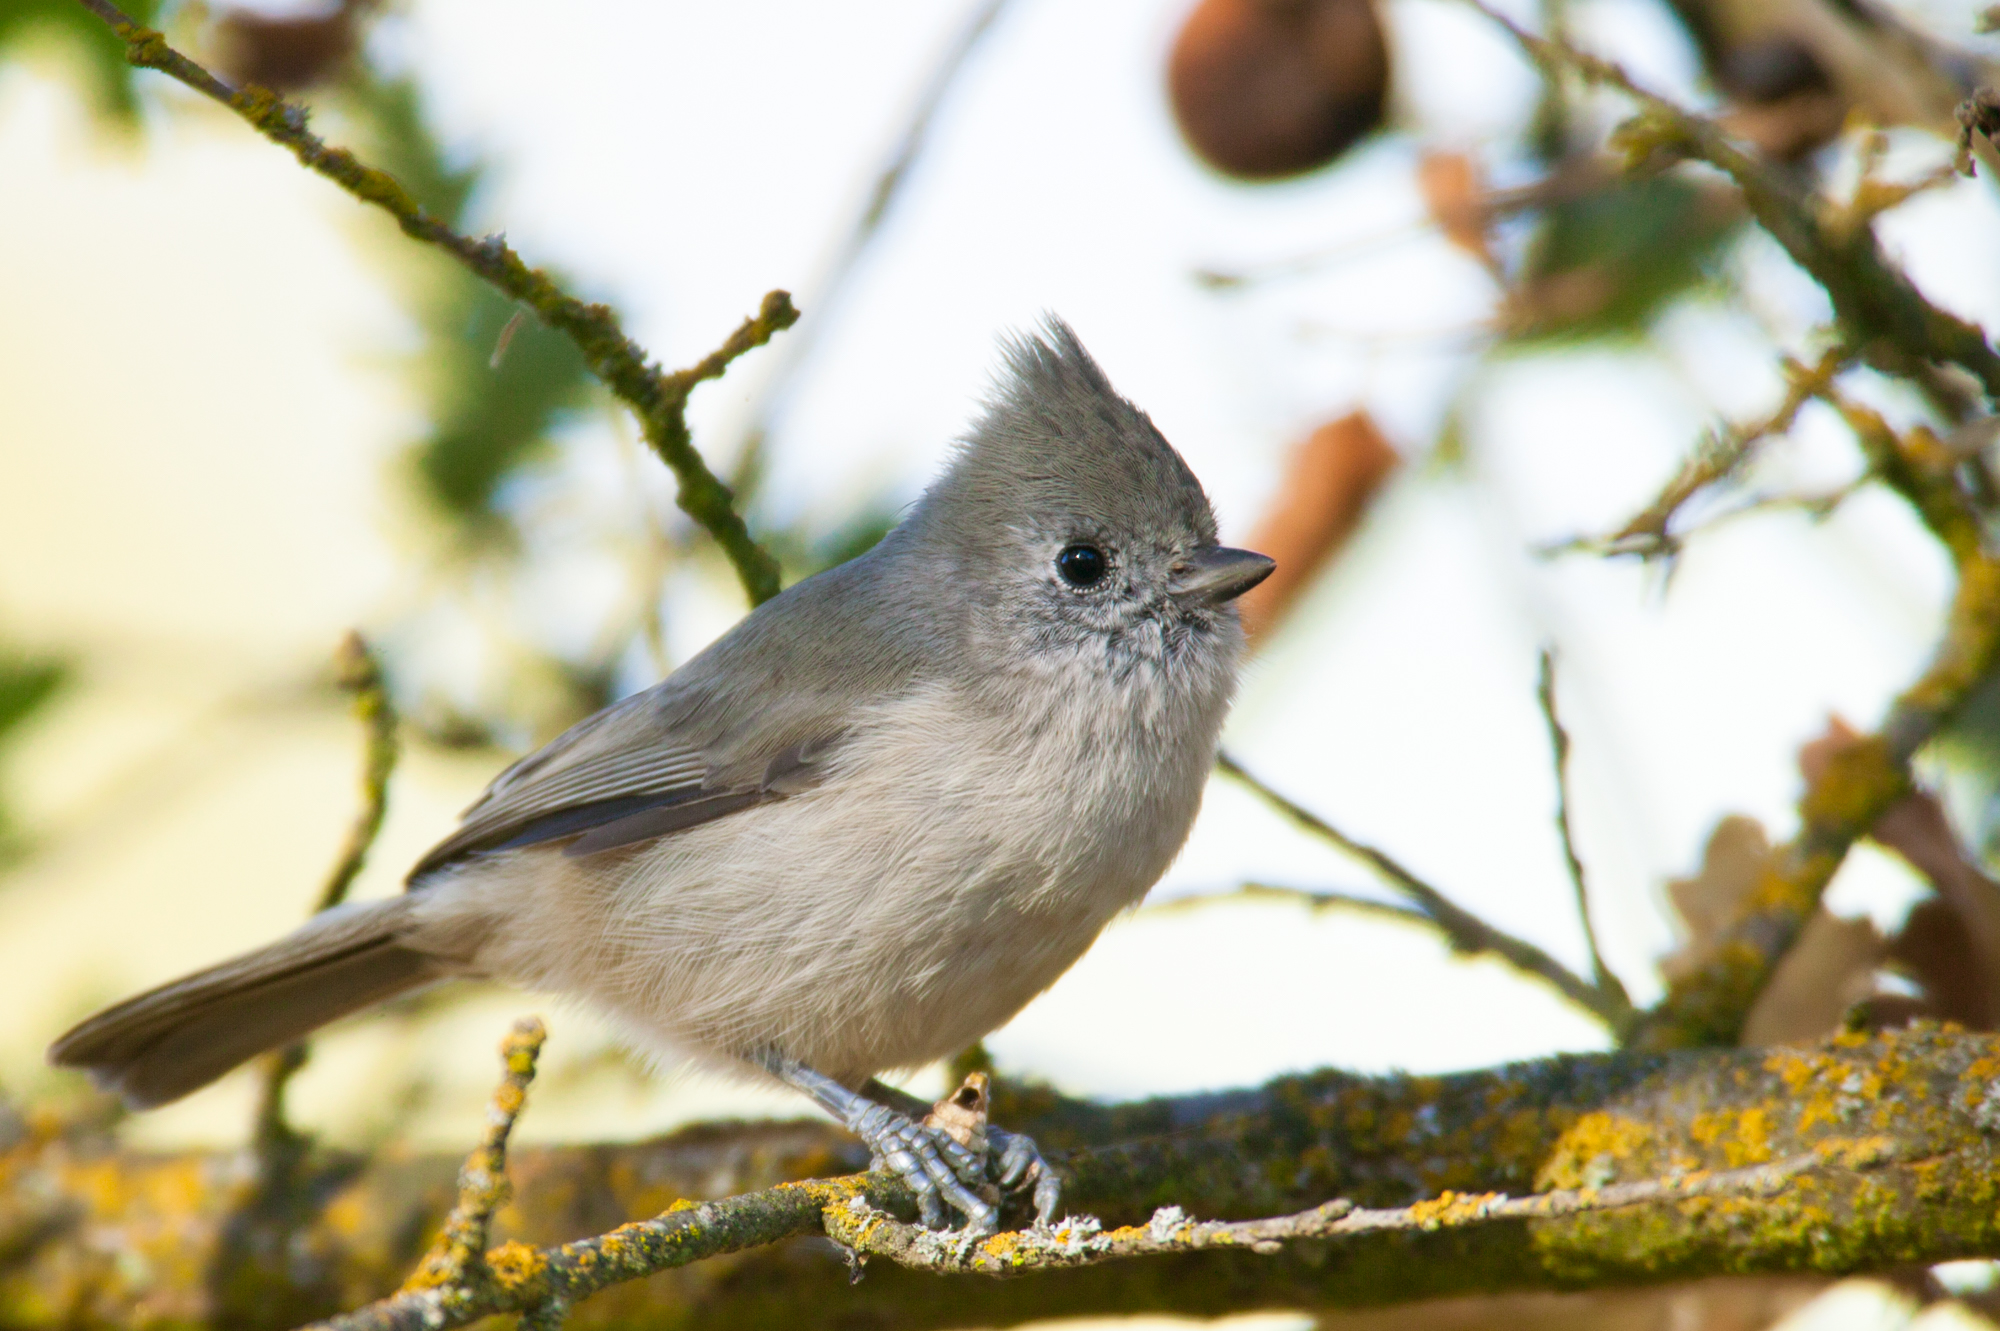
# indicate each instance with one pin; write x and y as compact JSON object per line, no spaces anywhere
{"x":1264,"y":89}
{"x":1786,"y":102}
{"x":288,"y":52}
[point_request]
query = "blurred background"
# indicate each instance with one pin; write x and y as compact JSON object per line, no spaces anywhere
{"x":1364,"y":265}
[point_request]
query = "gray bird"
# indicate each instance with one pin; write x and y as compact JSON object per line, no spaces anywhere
{"x":857,"y":833}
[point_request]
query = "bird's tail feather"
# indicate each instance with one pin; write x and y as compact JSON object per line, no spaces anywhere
{"x":177,"y":1038}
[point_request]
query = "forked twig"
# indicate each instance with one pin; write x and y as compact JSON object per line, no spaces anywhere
{"x":1466,"y":932}
{"x":1545,"y":694}
{"x":658,"y":398}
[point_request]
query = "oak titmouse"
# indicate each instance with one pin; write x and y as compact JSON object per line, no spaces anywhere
{"x":858,"y":832}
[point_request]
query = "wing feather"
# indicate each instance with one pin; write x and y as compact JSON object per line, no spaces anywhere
{"x":617,"y":778}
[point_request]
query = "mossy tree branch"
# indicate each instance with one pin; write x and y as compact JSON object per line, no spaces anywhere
{"x":658,"y":398}
{"x":1886,"y":1147}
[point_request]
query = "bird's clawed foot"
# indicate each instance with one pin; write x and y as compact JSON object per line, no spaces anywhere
{"x":952,"y":1158}
{"x":984,"y":1161}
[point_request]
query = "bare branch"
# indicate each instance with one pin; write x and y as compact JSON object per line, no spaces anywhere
{"x":659,"y":399}
{"x":1312,"y":898}
{"x":1466,"y":932}
{"x":1545,"y":694}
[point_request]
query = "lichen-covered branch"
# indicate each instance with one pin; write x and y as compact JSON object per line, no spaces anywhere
{"x":455,"y":1276}
{"x":658,"y":398}
{"x":1466,"y":932}
{"x":855,"y":1224}
{"x":1885,"y":320}
{"x":1866,"y":778}
{"x":1861,"y":783}
{"x":1880,"y":312}
{"x":1903,"y":1130}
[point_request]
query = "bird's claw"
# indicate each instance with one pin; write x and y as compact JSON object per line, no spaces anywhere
{"x":1020,"y":1161}
{"x":943,"y":1172}
{"x":935,"y":1165}
{"x":953,"y":1157}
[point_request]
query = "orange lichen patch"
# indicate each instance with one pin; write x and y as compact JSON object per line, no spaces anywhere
{"x":1856,"y":1152}
{"x":518,"y":1267}
{"x":1826,"y":1089}
{"x":1448,"y":1208}
{"x":1861,"y":780}
{"x":1743,"y":1136}
{"x":1589,"y":1154}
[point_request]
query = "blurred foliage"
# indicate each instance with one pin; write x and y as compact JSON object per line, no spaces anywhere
{"x":1604,"y":264}
{"x":26,"y":685}
{"x":803,"y":554}
{"x":112,"y":82}
{"x":492,"y":409}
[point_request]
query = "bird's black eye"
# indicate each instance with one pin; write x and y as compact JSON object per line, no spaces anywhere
{"x":1082,"y":565}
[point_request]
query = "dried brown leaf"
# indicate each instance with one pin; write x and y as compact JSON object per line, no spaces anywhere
{"x":1828,"y":970}
{"x":1455,"y":196}
{"x":1731,"y":864}
{"x":1326,"y":490}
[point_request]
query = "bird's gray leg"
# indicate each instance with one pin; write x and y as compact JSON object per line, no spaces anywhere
{"x":937,"y":1168}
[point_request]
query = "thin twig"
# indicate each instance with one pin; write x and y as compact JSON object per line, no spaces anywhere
{"x":360,"y":674}
{"x":828,"y":291}
{"x":1545,"y":694}
{"x":1313,"y":899}
{"x":1720,"y":456}
{"x":456,"y":1264}
{"x":1466,"y":932}
{"x":659,"y":399}
{"x":1083,"y":1242}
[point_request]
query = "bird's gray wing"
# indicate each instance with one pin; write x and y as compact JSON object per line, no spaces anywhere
{"x":622,"y":776}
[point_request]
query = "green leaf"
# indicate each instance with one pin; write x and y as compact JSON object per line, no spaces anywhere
{"x":1603,"y":265}
{"x":113,"y":82}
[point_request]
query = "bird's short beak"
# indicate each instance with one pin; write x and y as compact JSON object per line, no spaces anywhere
{"x":1218,"y":574}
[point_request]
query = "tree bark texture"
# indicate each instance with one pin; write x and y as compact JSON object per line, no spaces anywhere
{"x":1905,"y":1125}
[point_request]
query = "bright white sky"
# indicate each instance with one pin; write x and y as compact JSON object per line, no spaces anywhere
{"x":681,"y":159}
